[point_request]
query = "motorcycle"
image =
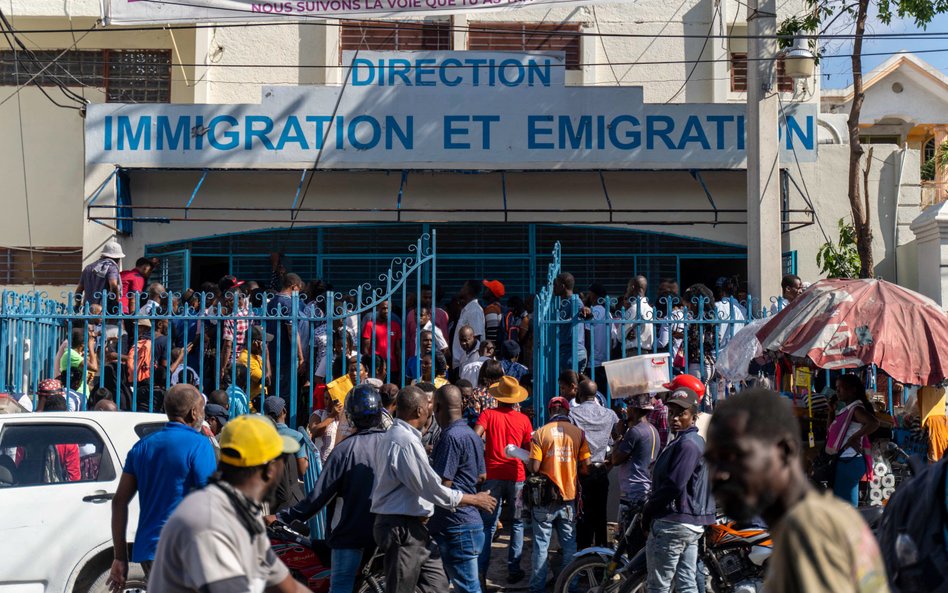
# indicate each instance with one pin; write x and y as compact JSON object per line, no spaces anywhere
{"x":310,"y":561}
{"x":600,"y":569}
{"x":733,"y":555}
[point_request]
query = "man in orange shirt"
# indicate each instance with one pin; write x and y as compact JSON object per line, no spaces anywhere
{"x":559,"y":452}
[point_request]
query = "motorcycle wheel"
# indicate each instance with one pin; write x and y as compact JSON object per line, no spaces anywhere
{"x":636,"y":583}
{"x":589,"y":574}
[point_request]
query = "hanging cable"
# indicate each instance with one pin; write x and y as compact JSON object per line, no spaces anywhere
{"x":8,"y":32}
{"x":26,"y":181}
{"x":714,"y":19}
{"x":32,"y":56}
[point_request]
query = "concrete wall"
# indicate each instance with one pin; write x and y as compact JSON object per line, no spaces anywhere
{"x":52,"y":139}
{"x":827,"y":184}
{"x":239,"y":61}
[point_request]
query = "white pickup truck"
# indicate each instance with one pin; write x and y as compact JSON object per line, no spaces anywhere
{"x":58,"y":474}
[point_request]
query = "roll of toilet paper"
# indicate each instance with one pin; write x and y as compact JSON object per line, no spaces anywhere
{"x":876,"y":482}
{"x":880,"y":469}
{"x":887,"y":493}
{"x":875,"y":496}
{"x":888,"y":481}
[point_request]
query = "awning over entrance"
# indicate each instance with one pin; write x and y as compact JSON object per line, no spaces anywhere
{"x":265,"y":198}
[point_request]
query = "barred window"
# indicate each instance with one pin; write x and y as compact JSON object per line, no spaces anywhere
{"x":395,"y":35}
{"x":565,"y":37}
{"x":739,"y":74}
{"x":48,"y":265}
{"x":128,"y":76}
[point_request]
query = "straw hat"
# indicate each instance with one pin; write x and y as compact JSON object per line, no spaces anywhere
{"x":508,"y":391}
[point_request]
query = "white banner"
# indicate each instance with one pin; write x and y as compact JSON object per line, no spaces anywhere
{"x":128,"y":12}
{"x":441,"y":110}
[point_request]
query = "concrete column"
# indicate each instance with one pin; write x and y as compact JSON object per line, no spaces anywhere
{"x":941,"y":173}
{"x":763,"y":165}
{"x":931,"y":235}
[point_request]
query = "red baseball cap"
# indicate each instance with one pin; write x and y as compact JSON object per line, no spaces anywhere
{"x":495,"y":286}
{"x":561,"y":401}
{"x":228,"y":282}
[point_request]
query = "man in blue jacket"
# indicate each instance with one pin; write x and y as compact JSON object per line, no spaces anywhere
{"x":680,"y":505}
{"x":347,"y":476}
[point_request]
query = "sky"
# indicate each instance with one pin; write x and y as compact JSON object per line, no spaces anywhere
{"x":837,"y":72}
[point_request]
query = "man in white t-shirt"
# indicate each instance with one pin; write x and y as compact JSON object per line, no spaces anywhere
{"x":642,"y":334}
{"x":472,"y":315}
{"x":602,"y":334}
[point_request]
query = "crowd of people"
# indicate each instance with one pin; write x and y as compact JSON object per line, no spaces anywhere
{"x":254,"y":339}
{"x":428,"y":466}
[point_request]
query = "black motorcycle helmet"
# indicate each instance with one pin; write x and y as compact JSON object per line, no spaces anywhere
{"x":364,"y":407}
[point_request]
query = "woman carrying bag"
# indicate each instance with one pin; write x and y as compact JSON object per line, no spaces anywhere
{"x":848,"y":438}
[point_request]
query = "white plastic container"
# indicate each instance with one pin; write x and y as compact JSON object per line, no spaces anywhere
{"x":637,"y":374}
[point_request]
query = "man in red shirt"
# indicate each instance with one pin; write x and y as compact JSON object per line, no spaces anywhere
{"x":500,"y":427}
{"x":134,"y":281}
{"x":388,"y":338}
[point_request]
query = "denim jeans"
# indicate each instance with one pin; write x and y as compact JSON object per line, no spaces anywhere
{"x":461,"y":546}
{"x":849,"y":471}
{"x":672,"y":553}
{"x":559,"y":516}
{"x":509,"y":494}
{"x":345,"y":569}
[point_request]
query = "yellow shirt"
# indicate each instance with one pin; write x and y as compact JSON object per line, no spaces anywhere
{"x":559,"y":447}
{"x":256,"y":371}
{"x":823,"y":546}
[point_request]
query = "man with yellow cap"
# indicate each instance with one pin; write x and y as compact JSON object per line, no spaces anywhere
{"x":215,"y":541}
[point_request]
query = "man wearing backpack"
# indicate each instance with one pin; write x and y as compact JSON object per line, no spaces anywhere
{"x":914,"y":532}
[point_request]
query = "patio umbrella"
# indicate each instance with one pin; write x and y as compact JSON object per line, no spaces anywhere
{"x":839,"y":324}
{"x":743,"y":347}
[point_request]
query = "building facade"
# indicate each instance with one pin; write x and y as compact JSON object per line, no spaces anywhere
{"x":680,"y":213}
{"x":906,"y":104}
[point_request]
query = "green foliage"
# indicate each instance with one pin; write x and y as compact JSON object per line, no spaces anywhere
{"x":840,"y":260}
{"x":820,"y":14}
{"x":921,"y":11}
{"x":939,"y":161}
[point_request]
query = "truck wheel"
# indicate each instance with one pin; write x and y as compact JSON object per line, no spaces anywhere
{"x":136,"y":581}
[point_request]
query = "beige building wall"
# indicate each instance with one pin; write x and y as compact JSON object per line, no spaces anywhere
{"x":233,"y":64}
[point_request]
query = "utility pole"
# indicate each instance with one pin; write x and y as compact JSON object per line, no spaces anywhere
{"x":764,"y":242}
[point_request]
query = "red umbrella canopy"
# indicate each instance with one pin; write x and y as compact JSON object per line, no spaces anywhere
{"x":841,"y":324}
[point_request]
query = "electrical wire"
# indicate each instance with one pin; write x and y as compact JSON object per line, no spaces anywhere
{"x":26,"y":180}
{"x":806,"y":191}
{"x":335,"y":110}
{"x":7,"y":30}
{"x":605,"y":52}
{"x":345,"y":21}
{"x":704,"y":46}
{"x":575,"y":66}
{"x":69,"y":94}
